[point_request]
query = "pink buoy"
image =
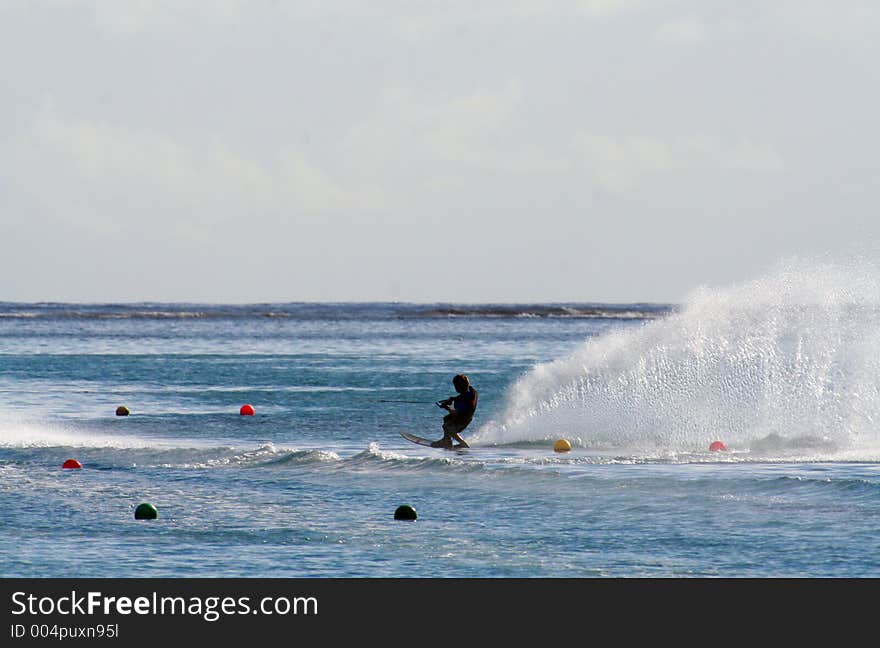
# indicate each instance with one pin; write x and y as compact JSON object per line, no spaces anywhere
{"x":247,"y":410}
{"x":716,"y":446}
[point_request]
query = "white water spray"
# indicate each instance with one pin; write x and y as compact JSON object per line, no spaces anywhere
{"x":786,"y":361}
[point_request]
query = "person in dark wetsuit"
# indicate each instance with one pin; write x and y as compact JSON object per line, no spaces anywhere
{"x":461,"y":410}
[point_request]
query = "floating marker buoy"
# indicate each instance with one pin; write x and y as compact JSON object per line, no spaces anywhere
{"x":247,"y":410}
{"x":562,"y":445}
{"x":405,"y":512}
{"x":716,"y":446}
{"x":122,"y":410}
{"x":145,"y":511}
{"x":72,"y":464}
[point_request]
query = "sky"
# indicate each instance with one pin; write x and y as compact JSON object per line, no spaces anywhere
{"x":249,"y":151}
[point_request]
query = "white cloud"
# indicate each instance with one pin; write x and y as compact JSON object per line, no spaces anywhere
{"x":474,"y":130}
{"x":855,"y":22}
{"x":106,"y":177}
{"x":682,"y":31}
{"x":618,"y":164}
{"x":752,"y":156}
{"x":125,"y":17}
{"x":132,"y":16}
{"x":851,"y":23}
{"x":603,"y":7}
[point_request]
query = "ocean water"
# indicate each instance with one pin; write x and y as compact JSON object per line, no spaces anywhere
{"x":784,"y":370}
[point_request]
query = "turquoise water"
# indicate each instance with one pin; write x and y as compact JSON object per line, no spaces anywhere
{"x":308,"y":486}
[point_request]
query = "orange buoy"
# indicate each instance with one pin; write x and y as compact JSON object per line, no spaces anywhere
{"x":562,"y":445}
{"x":72,"y":464}
{"x":716,"y":446}
{"x":247,"y":410}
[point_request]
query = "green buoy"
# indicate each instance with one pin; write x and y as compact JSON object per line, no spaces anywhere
{"x":146,"y":511}
{"x":122,"y":410}
{"x":405,"y":512}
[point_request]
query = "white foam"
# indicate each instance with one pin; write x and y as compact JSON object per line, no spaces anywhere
{"x":33,"y":434}
{"x":792,"y":354}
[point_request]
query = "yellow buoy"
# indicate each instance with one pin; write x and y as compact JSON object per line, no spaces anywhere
{"x":562,"y":445}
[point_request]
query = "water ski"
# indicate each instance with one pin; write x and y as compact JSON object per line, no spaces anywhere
{"x":422,"y":441}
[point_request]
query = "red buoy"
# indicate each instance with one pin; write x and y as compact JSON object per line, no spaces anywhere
{"x":715,"y":446}
{"x":247,"y":410}
{"x":72,"y":464}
